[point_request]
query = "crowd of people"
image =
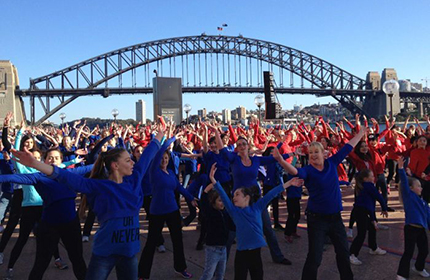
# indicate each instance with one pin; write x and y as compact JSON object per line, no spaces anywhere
{"x":52,"y":178}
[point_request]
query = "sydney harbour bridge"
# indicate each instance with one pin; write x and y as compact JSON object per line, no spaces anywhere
{"x":206,"y":64}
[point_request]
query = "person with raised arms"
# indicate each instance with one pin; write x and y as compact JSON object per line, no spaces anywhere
{"x":114,"y":188}
{"x":324,"y":207}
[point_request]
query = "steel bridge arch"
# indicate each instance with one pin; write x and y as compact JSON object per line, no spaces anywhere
{"x":94,"y":72}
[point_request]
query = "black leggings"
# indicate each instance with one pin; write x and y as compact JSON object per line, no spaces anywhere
{"x":413,"y":235}
{"x":156,"y":224}
{"x":364,"y":225}
{"x":392,"y":167}
{"x":274,"y":202}
{"x":293,"y":205}
{"x":30,"y":216}
{"x":89,"y":222}
{"x":47,"y":238}
{"x":248,"y":260}
{"x":14,"y":216}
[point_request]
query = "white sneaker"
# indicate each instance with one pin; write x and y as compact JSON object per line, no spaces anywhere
{"x":382,"y":227}
{"x":423,"y":273}
{"x":85,"y":238}
{"x":1,"y":258}
{"x":349,"y":233}
{"x":353,"y":260}
{"x":401,"y":278}
{"x":161,"y":249}
{"x":378,"y":251}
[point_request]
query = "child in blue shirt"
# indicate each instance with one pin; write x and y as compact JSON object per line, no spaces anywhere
{"x":246,"y":213}
{"x":417,"y":221}
{"x":366,"y":195}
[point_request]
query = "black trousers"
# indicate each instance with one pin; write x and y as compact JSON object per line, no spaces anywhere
{"x":47,"y":239}
{"x":14,"y":216}
{"x":30,"y":216}
{"x":248,"y":260}
{"x":364,"y":225}
{"x":392,"y":167}
{"x":274,"y":202}
{"x":418,"y":236}
{"x":156,"y":224}
{"x":147,"y":205}
{"x":319,"y":227}
{"x":89,"y":222}
{"x":293,"y":205}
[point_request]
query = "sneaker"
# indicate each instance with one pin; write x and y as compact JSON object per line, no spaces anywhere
{"x":401,"y":278}
{"x":161,"y":249}
{"x":349,"y":233}
{"x":382,"y":227}
{"x":60,"y":264}
{"x":288,"y":239}
{"x":184,"y":274}
{"x":354,"y":260}
{"x":423,"y":273}
{"x":1,"y":258}
{"x":85,"y":238}
{"x":9,"y":274}
{"x":378,"y":251}
{"x":285,"y":261}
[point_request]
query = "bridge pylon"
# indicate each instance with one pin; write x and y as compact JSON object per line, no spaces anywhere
{"x":9,"y":102}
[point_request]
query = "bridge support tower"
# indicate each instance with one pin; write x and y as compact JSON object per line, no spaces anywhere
{"x":9,"y":102}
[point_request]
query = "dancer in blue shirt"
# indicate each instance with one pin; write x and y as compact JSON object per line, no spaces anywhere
{"x":246,"y":213}
{"x":324,"y":207}
{"x":115,"y":192}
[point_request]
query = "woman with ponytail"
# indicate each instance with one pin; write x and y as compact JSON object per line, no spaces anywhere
{"x":114,"y":190}
{"x":366,"y":195}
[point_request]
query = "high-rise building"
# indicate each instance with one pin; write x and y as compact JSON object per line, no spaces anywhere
{"x":202,"y":113}
{"x":241,"y":112}
{"x":226,"y":116}
{"x":141,"y":111}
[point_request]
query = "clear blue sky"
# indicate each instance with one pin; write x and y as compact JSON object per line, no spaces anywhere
{"x":41,"y":37}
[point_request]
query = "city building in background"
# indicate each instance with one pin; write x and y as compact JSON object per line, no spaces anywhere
{"x":141,"y":111}
{"x":226,"y":115}
{"x":241,"y":112}
{"x":202,"y":113}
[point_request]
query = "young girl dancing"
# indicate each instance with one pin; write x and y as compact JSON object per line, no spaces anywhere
{"x":246,"y":213}
{"x":364,"y":210}
{"x":417,"y":220}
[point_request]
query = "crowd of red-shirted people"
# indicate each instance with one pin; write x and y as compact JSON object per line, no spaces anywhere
{"x":228,"y":176}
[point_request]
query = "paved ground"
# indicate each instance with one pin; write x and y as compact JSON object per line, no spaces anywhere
{"x":374,"y":267}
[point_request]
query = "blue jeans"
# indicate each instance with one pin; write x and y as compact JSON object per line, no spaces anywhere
{"x":216,"y":260}
{"x":320,"y":226}
{"x":100,"y":267}
{"x":5,"y":199}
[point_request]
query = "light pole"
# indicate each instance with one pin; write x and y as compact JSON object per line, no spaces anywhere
{"x":62,"y":117}
{"x":115,"y":113}
{"x":390,"y":88}
{"x":259,"y":101}
{"x":187,"y":109}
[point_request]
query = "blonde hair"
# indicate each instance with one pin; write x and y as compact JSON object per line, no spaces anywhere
{"x":317,"y":145}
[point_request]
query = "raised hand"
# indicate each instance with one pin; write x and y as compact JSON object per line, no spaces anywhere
{"x":400,"y":163}
{"x":7,"y":119}
{"x":296,"y":182}
{"x":24,"y":157}
{"x":81,"y":152}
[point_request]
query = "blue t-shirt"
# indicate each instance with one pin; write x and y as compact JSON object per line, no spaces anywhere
{"x":323,"y":186}
{"x":222,"y":173}
{"x":119,"y":236}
